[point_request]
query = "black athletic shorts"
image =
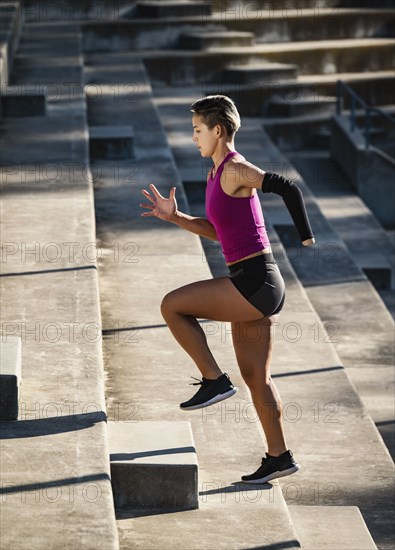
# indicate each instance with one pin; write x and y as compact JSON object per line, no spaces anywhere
{"x":260,"y":281}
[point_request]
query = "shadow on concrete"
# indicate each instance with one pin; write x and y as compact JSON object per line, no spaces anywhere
{"x":311,"y":371}
{"x":48,"y":426}
{"x":48,"y":271}
{"x":277,"y":546}
{"x":111,"y":331}
{"x":236,"y":487}
{"x":11,"y":488}
{"x":132,"y":456}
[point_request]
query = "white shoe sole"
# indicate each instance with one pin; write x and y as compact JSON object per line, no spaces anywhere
{"x":219,"y":397}
{"x":274,"y":475}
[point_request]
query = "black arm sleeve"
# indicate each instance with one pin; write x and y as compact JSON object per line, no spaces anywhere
{"x":293,"y":199}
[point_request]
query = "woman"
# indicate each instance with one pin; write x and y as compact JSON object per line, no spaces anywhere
{"x":254,"y":290}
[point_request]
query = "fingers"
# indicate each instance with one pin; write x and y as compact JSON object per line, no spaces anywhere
{"x":155,"y":191}
{"x":144,"y":205}
{"x":147,"y":195}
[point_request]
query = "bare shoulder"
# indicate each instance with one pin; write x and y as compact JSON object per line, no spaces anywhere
{"x":242,"y":173}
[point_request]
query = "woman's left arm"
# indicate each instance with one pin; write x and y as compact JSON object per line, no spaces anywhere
{"x":268,"y":182}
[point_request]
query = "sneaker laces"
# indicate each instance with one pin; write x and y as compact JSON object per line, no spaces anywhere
{"x":198,"y":383}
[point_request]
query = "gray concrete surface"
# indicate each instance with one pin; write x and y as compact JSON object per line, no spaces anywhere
{"x":111,"y":142}
{"x":10,"y":376}
{"x":55,"y":472}
{"x":331,"y":528}
{"x":153,"y":464}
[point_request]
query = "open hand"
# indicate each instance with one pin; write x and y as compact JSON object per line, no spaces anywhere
{"x":160,"y":207}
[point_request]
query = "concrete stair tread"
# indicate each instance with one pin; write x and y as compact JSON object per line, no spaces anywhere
{"x":56,"y":452}
{"x":217,"y":34}
{"x":331,"y":528}
{"x":261,"y":67}
{"x":334,"y":77}
{"x":153,"y":463}
{"x":314,"y":45}
{"x":306,"y":99}
{"x":152,"y":442}
{"x":257,"y":15}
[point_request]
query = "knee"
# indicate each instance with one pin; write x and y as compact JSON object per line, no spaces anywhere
{"x":256,"y":381}
{"x":167,"y":305}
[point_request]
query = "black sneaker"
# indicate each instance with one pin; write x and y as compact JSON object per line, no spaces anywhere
{"x":210,"y":391}
{"x":273,"y":467}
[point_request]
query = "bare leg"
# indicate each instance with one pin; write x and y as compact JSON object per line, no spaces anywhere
{"x":253,"y":343}
{"x":216,"y":299}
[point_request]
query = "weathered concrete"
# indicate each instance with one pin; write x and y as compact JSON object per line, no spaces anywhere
{"x":259,"y":73}
{"x":153,"y":464}
{"x":277,"y":24}
{"x":55,"y":472}
{"x":111,"y":142}
{"x":305,"y":106}
{"x":23,"y":103}
{"x":214,"y":40}
{"x":10,"y":376}
{"x":314,"y":57}
{"x":364,"y":168}
{"x":331,"y":528}
{"x":169,"y":8}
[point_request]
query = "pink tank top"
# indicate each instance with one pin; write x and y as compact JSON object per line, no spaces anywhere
{"x":238,"y":221}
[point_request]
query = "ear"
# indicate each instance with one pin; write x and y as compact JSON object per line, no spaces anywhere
{"x":219,"y":130}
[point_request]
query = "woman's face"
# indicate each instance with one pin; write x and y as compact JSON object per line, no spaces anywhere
{"x":205,"y":139}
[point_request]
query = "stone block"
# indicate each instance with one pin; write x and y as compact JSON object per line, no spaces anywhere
{"x":10,"y":376}
{"x":23,"y":103}
{"x":111,"y":142}
{"x":153,"y":464}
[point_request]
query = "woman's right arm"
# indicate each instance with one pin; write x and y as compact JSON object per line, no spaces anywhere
{"x":199,"y":226}
{"x":166,"y":209}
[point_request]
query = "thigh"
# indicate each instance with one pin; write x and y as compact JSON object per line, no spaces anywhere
{"x":217,"y":299}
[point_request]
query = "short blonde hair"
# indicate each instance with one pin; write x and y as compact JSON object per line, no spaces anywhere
{"x":218,"y":109}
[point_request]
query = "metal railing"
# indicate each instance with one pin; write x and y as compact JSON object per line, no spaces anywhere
{"x":356,"y":99}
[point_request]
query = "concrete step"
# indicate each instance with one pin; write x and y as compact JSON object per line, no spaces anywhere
{"x":314,"y":57}
{"x":19,"y":102}
{"x":285,"y":132}
{"x":376,"y":88}
{"x":111,"y":142}
{"x":170,"y":8}
{"x":290,"y":23}
{"x":306,"y":105}
{"x":370,"y":249}
{"x":153,"y":465}
{"x":331,"y":528}
{"x":10,"y":376}
{"x":214,"y":40}
{"x":259,"y":72}
{"x":55,"y":471}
